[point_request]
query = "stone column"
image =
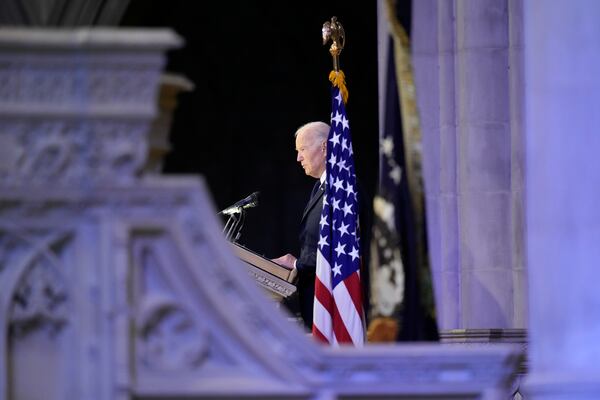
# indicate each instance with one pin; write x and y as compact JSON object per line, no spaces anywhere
{"x":562,"y":58}
{"x":433,"y":58}
{"x":517,"y":161}
{"x":483,"y":162}
{"x":469,"y":74}
{"x":449,"y":270}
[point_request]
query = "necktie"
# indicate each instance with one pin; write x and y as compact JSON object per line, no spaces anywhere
{"x":315,"y":189}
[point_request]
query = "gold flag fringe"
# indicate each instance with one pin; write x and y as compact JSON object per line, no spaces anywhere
{"x":337,"y":78}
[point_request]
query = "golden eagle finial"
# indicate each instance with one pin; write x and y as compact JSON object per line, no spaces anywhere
{"x":334,"y":31}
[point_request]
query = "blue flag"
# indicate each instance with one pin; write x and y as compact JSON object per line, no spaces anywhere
{"x":402,"y":306}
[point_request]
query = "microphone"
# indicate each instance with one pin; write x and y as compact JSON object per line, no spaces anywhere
{"x":248,"y":202}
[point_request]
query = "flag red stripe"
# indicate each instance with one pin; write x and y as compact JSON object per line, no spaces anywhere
{"x":323,"y":295}
{"x":339,"y":328}
{"x":354,"y":288}
{"x":318,"y":335}
{"x":347,"y":311}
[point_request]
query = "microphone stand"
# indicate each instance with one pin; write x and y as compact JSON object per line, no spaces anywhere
{"x":234,"y":224}
{"x":237,"y":214}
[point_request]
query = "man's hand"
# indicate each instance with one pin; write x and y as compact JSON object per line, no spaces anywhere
{"x":287,"y":261}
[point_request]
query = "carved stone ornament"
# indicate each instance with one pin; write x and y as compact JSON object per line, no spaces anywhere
{"x":75,"y":120}
{"x":169,"y":339}
{"x":39,"y":300}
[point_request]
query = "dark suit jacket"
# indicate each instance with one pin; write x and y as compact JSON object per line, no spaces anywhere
{"x":307,"y":261}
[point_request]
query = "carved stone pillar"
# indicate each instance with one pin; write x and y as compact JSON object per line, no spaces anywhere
{"x":75,"y":107}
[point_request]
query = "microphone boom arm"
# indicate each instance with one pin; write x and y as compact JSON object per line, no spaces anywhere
{"x":248,"y":202}
{"x":237,"y":214}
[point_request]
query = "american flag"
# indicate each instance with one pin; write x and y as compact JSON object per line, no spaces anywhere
{"x":338,"y":316}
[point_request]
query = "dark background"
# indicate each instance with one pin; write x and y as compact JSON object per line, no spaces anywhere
{"x":260,"y":71}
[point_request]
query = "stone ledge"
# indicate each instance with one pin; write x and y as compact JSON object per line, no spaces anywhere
{"x":158,"y":39}
{"x":484,"y":336}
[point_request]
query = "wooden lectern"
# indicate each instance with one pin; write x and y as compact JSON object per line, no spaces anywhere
{"x":277,"y":280}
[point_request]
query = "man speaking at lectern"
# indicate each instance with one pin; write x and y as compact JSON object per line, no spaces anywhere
{"x":311,"y":146}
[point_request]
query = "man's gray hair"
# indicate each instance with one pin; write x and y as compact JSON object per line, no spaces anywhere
{"x":320,"y":129}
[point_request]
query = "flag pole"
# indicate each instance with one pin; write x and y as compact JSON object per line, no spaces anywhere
{"x":334,"y":31}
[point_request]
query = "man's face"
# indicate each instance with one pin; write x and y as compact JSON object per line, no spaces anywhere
{"x":311,"y":153}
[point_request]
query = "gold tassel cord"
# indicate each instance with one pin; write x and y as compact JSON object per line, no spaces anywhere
{"x":338,"y":79}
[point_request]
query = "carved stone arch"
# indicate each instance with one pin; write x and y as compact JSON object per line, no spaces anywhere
{"x":11,"y":245}
{"x":42,"y":243}
{"x":216,"y":349}
{"x":47,"y":291}
{"x":16,"y":269}
{"x":37,"y":312}
{"x":240,"y":305}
